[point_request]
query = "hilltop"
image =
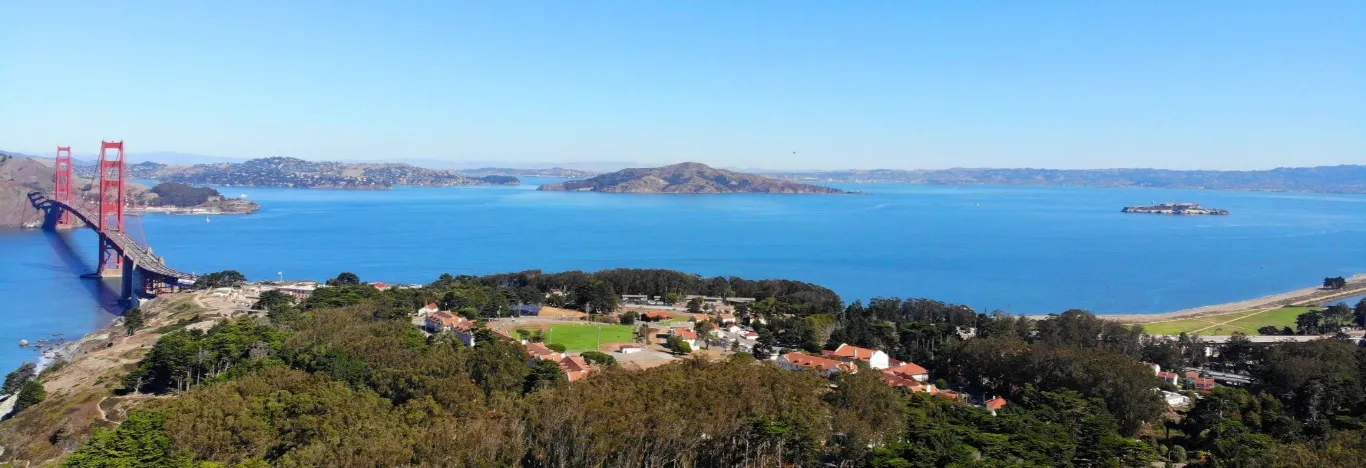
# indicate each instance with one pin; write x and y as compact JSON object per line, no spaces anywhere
{"x":298,"y":173}
{"x":687,"y":177}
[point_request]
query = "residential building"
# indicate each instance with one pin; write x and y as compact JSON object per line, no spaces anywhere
{"x":574,"y":367}
{"x":726,"y":319}
{"x":875,"y":358}
{"x":539,"y":351}
{"x":464,"y":331}
{"x":824,"y":366}
{"x":299,"y":291}
{"x":443,"y":321}
{"x":688,"y":336}
{"x":1169,"y":377}
{"x":429,"y":309}
{"x":911,"y":371}
{"x":1176,"y":400}
{"x":1198,"y":383}
{"x":995,"y":404}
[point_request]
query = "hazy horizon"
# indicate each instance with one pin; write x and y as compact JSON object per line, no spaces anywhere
{"x":770,"y":85}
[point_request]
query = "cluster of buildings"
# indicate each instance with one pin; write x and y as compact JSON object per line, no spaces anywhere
{"x":716,"y":303}
{"x":575,"y":368}
{"x":1189,"y":380}
{"x":436,"y":320}
{"x":899,"y":374}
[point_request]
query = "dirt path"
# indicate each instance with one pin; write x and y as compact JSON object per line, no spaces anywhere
{"x":100,"y":408}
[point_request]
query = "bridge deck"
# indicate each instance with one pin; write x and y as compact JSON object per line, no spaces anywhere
{"x":142,"y":258}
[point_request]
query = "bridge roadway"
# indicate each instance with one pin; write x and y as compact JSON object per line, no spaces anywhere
{"x":141,"y":257}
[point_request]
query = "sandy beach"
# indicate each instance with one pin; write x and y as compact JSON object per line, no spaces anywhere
{"x":1356,"y":286}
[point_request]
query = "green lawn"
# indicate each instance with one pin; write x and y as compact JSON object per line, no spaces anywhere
{"x":585,"y":337}
{"x":1249,"y":323}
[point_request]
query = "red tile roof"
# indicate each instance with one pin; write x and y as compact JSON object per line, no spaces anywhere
{"x":908,"y":369}
{"x":685,"y":333}
{"x":996,"y":403}
{"x":948,"y":394}
{"x":850,"y":351}
{"x":447,"y":318}
{"x":539,"y":350}
{"x":809,"y":361}
{"x":574,"y":367}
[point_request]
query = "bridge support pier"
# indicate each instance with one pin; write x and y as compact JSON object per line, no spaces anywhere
{"x":128,"y":295}
{"x":112,"y":264}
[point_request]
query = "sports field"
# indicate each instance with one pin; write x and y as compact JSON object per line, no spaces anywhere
{"x":1225,"y":324}
{"x":586,"y":337}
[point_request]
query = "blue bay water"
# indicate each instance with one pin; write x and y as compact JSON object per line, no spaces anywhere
{"x":1029,"y":250}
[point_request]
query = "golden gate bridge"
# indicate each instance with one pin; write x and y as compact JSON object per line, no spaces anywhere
{"x":142,"y":273}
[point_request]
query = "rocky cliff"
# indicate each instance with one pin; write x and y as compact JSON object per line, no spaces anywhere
{"x":685,"y":178}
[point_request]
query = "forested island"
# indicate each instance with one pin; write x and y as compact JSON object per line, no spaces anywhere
{"x":685,"y":178}
{"x":1326,"y":179}
{"x":175,"y":197}
{"x":298,"y":173}
{"x":343,"y":378}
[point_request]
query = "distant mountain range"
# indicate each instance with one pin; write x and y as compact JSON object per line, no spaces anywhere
{"x":685,"y":178}
{"x":507,"y":171}
{"x":291,"y":172}
{"x":1328,"y":179}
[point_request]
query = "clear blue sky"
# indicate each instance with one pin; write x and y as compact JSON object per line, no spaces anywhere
{"x":901,"y":84}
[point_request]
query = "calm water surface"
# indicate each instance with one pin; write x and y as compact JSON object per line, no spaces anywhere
{"x":1021,"y":249}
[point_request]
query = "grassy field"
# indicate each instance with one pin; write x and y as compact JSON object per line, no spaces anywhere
{"x":1246,"y":322}
{"x":585,"y":337}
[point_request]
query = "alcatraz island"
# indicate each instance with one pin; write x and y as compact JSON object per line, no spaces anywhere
{"x":1175,"y":208}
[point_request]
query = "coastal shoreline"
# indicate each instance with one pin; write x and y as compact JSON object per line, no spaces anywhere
{"x":1356,"y":286}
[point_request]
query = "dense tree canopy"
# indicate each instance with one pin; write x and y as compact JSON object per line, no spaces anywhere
{"x":345,"y":379}
{"x":181,"y":195}
{"x":221,"y":279}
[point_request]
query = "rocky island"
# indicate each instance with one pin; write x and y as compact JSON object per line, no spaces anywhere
{"x":298,"y":173}
{"x":1175,"y":208}
{"x":685,"y":178}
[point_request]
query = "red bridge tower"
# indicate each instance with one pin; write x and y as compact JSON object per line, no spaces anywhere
{"x":62,"y":185}
{"x":111,"y":206}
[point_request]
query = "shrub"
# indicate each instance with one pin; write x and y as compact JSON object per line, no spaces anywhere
{"x":598,"y":357}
